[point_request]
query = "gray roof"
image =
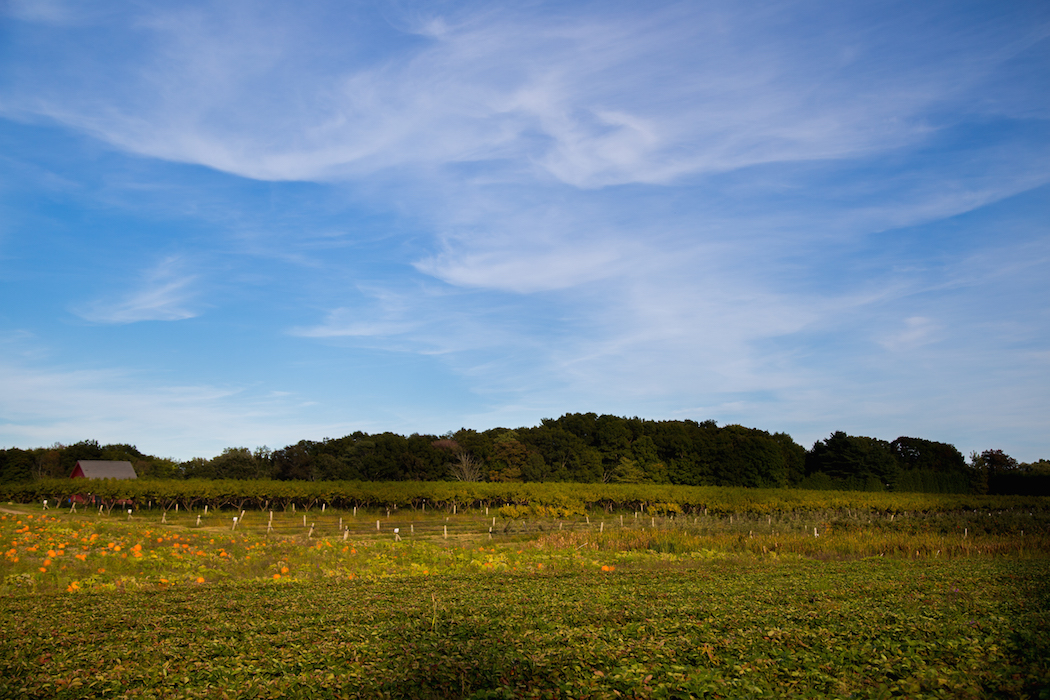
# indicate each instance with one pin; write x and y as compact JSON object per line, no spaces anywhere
{"x":106,"y":469}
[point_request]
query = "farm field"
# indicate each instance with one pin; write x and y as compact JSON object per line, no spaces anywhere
{"x":840,"y":603}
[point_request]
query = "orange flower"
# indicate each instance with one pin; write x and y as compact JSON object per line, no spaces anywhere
{"x":276,"y":576}
{"x":200,"y":579}
{"x":47,"y":562}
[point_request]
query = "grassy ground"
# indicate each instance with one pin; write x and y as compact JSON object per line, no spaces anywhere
{"x":102,"y":606}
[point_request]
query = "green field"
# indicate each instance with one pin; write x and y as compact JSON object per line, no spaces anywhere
{"x":599,"y":604}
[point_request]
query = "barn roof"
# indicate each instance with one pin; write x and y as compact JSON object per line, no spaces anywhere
{"x":104,"y":469}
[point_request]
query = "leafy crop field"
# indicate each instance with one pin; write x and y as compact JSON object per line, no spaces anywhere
{"x":532,"y":603}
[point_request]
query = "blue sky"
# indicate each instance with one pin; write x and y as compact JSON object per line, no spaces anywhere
{"x":249,"y":223}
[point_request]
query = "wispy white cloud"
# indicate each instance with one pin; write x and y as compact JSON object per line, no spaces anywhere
{"x":163,"y":294}
{"x":42,"y":405}
{"x":351,"y":323}
{"x":589,"y":100}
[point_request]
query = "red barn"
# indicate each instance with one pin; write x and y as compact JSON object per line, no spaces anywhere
{"x":103,"y":469}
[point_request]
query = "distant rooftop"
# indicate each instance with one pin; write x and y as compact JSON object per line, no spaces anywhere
{"x":103,"y":469}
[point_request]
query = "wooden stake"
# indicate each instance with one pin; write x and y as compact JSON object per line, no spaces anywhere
{"x":446,"y":531}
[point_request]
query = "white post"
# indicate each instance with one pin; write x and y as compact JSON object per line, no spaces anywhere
{"x":346,"y":533}
{"x":205,"y":508}
{"x":493,"y":521}
{"x":129,"y":513}
{"x":602,"y":528}
{"x":176,"y":507}
{"x":355,"y":511}
{"x":377,"y":526}
{"x":621,"y":519}
{"x":311,"y":533}
{"x":198,"y":519}
{"x":397,"y":537}
{"x":323,"y":506}
{"x":340,"y":523}
{"x":304,"y":519}
{"x":412,"y":525}
{"x":446,"y":531}
{"x":234,"y":523}
{"x":45,"y":504}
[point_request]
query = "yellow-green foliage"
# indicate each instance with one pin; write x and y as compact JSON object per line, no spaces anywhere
{"x":663,"y":509}
{"x":568,"y":497}
{"x":536,"y":510}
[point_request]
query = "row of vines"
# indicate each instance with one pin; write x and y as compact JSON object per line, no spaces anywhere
{"x":265,"y":494}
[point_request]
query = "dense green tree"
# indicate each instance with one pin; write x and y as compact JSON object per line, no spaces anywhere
{"x":854,"y":461}
{"x":931,"y":467}
{"x":16,"y":465}
{"x":994,"y":471}
{"x":296,"y":461}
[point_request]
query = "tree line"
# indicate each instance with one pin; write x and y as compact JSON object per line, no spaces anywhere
{"x":583,"y":447}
